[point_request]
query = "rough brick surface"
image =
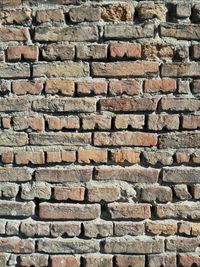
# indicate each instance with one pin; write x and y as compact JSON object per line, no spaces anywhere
{"x":100,"y":133}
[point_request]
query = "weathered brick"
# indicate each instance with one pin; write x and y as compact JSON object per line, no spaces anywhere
{"x":129,"y":174}
{"x":163,"y":121}
{"x":65,"y":228}
{"x":97,"y":260}
{"x":125,"y":155}
{"x":27,"y":87}
{"x":7,"y":157}
{"x":33,"y":260}
{"x":123,"y":69}
{"x":92,"y":155}
{"x":183,"y":140}
{"x":132,"y":121}
{"x":14,"y":34}
{"x":178,"y":211}
{"x":179,"y":175}
{"x":76,"y":193}
{"x":164,"y":259}
{"x":28,"y":123}
{"x":166,"y":227}
{"x":39,"y":190}
{"x":18,"y":70}
{"x":181,"y":192}
{"x":156,"y":193}
{"x":59,"y":138}
{"x":85,"y":13}
{"x":128,"y":260}
{"x":189,"y":259}
{"x":22,"y":53}
{"x":191,"y":121}
{"x":69,"y":33}
{"x":196,"y":191}
{"x":11,"y":16}
{"x":116,"y":12}
{"x":61,"y":52}
{"x":128,"y":228}
{"x":11,"y":3}
{"x":95,"y":51}
{"x":125,"y":104}
{"x":70,"y":174}
{"x":151,"y":10}
{"x":93,"y":121}
{"x":69,"y":246}
{"x":158,"y":50}
{"x":102,"y":191}
{"x":14,"y":174}
{"x":127,"y":87}
{"x":50,"y":16}
{"x":63,"y":122}
{"x":196,"y":86}
{"x":195,"y":13}
{"x":98,"y":229}
{"x":15,"y":209}
{"x":191,"y":69}
{"x":129,"y":211}
{"x":127,"y":50}
{"x":16,"y":245}
{"x":65,"y":105}
{"x":63,"y":261}
{"x":125,"y":31}
{"x":94,"y":87}
{"x":180,"y":104}
{"x":32,"y":229}
{"x":61,"y":69}
{"x":64,"y":87}
{"x":164,"y":86}
{"x":13,"y":139}
{"x":134,"y":245}
{"x":182,"y":244}
{"x":26,"y":157}
{"x":125,"y":139}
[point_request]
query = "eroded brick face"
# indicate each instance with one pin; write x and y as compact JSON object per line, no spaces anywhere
{"x":100,"y":133}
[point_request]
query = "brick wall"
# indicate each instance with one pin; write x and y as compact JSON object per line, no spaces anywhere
{"x":99,"y":140}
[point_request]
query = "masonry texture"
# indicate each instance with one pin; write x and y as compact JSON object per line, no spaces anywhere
{"x":100,"y":133}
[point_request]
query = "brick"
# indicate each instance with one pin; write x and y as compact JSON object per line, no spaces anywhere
{"x":95,"y":51}
{"x":90,"y":88}
{"x":195,"y":13}
{"x":191,"y":121}
{"x":129,"y":121}
{"x":68,"y":156}
{"x":163,"y":121}
{"x":103,"y":191}
{"x":27,"y":87}
{"x":50,"y":16}
{"x":189,"y":259}
{"x":178,"y":175}
{"x":69,"y":246}
{"x":76,"y":193}
{"x":20,"y":16}
{"x":196,"y":86}
{"x":16,"y":245}
{"x":181,"y":192}
{"x":85,"y":13}
{"x":180,"y":31}
{"x":182,"y":157}
{"x":182,"y":244}
{"x":179,"y":104}
{"x":10,"y":190}
{"x":195,"y":157}
{"x":129,"y":211}
{"x":26,"y":157}
{"x":97,"y":260}
{"x":178,"y":211}
{"x":116,"y":12}
{"x":4,"y":87}
{"x":62,"y":261}
{"x":98,"y":229}
{"x":39,"y":190}
{"x":65,"y":105}
{"x":70,"y":174}
{"x":164,"y":86}
{"x":63,"y":122}
{"x":64,"y":87}
{"x":32,"y":229}
{"x":10,"y":3}
{"x":181,"y":69}
{"x":18,"y":70}
{"x":125,"y":155}
{"x":13,"y":34}
{"x":156,"y":193}
{"x":28,"y":123}
{"x":92,"y":155}
{"x":61,"y":69}
{"x":128,"y":228}
{"x":7,"y":157}
{"x":61,"y":52}
{"x":3,"y":260}
{"x":128,"y":260}
{"x":59,"y":139}
{"x":183,"y":10}
{"x":6,"y":122}
{"x":125,"y":31}
{"x":125,"y":139}
{"x":101,"y":121}
{"x":165,"y":227}
{"x":35,"y":259}
{"x":164,"y":259}
{"x":196,"y":191}
{"x":68,"y":34}
{"x":151,"y":11}
{"x":13,"y":139}
{"x":53,"y":156}
{"x":125,"y":104}
{"x":183,"y":86}
{"x":16,"y":209}
{"x":184,"y":228}
{"x":123,"y":69}
{"x":13,"y":105}
{"x":134,"y":245}
{"x":14,"y":174}
{"x":22,"y":53}
{"x":127,"y":50}
{"x":129,"y":174}
{"x":183,"y":140}
{"x":65,"y":228}
{"x":157,"y":50}
{"x":127,"y":87}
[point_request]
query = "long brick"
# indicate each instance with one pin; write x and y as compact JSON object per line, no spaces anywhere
{"x":124,"y":69}
{"x":70,"y":34}
{"x":191,"y":69}
{"x":13,"y":139}
{"x":13,"y":105}
{"x":14,"y":70}
{"x":14,"y":174}
{"x":70,"y":174}
{"x":13,"y":34}
{"x":181,"y":175}
{"x":69,"y":211}
{"x":15,"y":209}
{"x":179,"y":140}
{"x":129,"y":174}
{"x":16,"y":245}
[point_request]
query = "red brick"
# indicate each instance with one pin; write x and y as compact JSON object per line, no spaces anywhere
{"x":92,"y":155}
{"x":6,"y":122}
{"x":191,"y":121}
{"x":96,"y":121}
{"x":69,"y":211}
{"x":196,"y":51}
{"x":156,"y":51}
{"x":97,"y":260}
{"x":161,"y":227}
{"x":27,"y":87}
{"x":96,"y":88}
{"x":164,"y":86}
{"x":136,"y":261}
{"x":76,"y":193}
{"x":22,"y":53}
{"x":61,"y":52}
{"x":126,"y":121}
{"x":164,"y":259}
{"x":63,"y":122}
{"x":64,"y":87}
{"x":125,"y":155}
{"x":50,"y":15}
{"x":28,"y":123}
{"x":189,"y":259}
{"x":7,"y":157}
{"x":63,"y":261}
{"x":13,"y":34}
{"x":26,"y":157}
{"x":16,"y":245}
{"x":70,"y":229}
{"x":53,"y":156}
{"x":106,"y":192}
{"x":128,"y":50}
{"x":33,"y":260}
{"x":127,"y":87}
